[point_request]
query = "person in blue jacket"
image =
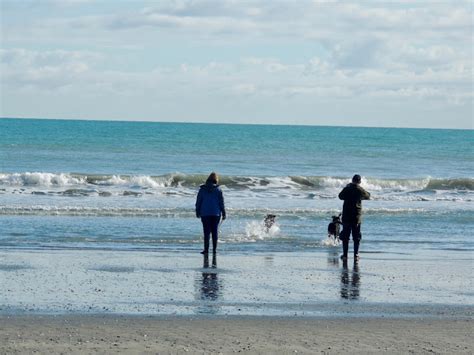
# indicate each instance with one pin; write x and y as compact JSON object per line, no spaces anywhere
{"x":210,"y":208}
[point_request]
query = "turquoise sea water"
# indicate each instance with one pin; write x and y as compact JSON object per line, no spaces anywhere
{"x":132,"y":185}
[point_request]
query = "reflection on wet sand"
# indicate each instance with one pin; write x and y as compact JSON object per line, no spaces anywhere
{"x":206,"y":261}
{"x":350,"y":282}
{"x":268,"y":260}
{"x":209,"y":287}
{"x":333,"y":258}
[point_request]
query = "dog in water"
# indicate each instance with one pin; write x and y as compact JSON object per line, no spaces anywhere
{"x":269,"y":221}
{"x":335,"y":227}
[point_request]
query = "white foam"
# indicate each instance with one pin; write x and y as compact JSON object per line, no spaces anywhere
{"x":330,"y":242}
{"x":114,"y":180}
{"x":146,"y":181}
{"x":331,"y":182}
{"x":250,"y":188}
{"x":40,"y":179}
{"x":395,"y":184}
{"x":255,"y":231}
{"x":94,"y":211}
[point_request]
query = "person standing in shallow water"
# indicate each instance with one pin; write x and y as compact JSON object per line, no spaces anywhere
{"x":210,"y":208}
{"x":352,"y":194}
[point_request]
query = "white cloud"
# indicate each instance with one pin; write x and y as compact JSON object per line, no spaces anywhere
{"x":245,"y":89}
{"x":269,"y":77}
{"x":362,"y":51}
{"x":302,"y":19}
{"x":46,"y":70}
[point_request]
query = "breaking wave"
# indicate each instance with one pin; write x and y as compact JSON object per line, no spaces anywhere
{"x":177,"y":180}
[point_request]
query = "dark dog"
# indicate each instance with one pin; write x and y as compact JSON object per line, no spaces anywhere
{"x":334,"y":227}
{"x":269,"y":221}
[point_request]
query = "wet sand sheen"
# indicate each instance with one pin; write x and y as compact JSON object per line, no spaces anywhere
{"x":276,"y":284}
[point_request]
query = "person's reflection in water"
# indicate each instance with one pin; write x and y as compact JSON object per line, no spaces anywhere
{"x":206,"y":261}
{"x":350,"y":283}
{"x":268,"y":260}
{"x":333,"y":258}
{"x":209,"y":287}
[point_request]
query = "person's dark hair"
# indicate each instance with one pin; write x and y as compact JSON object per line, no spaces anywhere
{"x":212,"y":179}
{"x":356,"y":179}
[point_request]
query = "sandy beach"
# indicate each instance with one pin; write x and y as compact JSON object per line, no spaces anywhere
{"x":131,"y":334}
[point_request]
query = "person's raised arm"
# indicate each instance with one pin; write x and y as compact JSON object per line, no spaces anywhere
{"x":365,"y":195}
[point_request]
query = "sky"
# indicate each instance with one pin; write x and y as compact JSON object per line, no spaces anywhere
{"x":320,"y":62}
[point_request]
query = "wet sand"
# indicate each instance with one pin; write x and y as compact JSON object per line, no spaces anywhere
{"x":214,"y":335}
{"x":278,"y":284}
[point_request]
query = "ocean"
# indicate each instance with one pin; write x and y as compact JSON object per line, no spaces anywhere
{"x":72,"y":187}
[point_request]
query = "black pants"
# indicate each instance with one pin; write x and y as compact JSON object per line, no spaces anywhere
{"x":210,"y":226}
{"x":347,"y":230}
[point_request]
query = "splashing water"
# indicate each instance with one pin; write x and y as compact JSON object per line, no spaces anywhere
{"x":331,"y":242}
{"x":258,"y":231}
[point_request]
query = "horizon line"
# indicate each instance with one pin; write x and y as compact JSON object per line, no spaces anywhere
{"x":222,"y":123}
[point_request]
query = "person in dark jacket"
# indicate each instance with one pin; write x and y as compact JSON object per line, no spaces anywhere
{"x":210,"y":208}
{"x":352,"y":194}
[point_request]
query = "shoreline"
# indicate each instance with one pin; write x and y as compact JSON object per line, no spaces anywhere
{"x":231,"y":334}
{"x":319,"y":311}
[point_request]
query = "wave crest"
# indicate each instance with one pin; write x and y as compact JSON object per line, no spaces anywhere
{"x":180,"y":180}
{"x":41,"y":179}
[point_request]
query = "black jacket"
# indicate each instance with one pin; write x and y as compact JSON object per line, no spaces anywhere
{"x":352,"y":194}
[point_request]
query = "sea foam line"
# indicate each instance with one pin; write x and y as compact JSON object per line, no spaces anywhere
{"x":47,"y":179}
{"x":184,"y":212}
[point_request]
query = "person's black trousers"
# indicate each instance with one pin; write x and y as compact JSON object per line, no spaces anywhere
{"x":347,"y":230}
{"x":210,"y":226}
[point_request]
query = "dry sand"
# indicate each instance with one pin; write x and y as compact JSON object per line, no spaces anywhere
{"x":207,"y":335}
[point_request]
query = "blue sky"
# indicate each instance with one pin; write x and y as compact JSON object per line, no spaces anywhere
{"x":366,"y":63}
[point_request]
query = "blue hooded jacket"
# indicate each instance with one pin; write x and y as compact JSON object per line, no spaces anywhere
{"x":210,"y":201}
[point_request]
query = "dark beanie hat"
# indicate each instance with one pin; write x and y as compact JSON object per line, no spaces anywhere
{"x":356,"y":179}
